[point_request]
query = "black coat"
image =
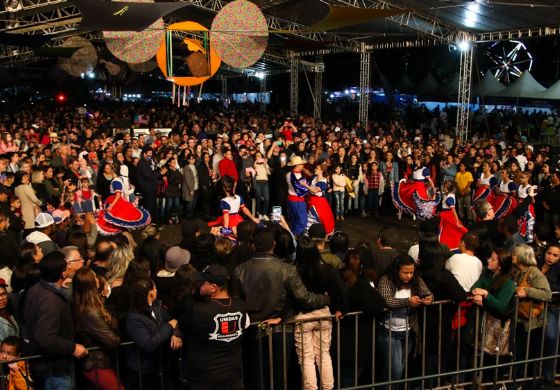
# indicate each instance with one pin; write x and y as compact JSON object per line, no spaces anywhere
{"x":49,"y":330}
{"x":174,"y":184}
{"x":204,"y":178}
{"x":94,"y":331}
{"x":273,"y":288}
{"x":148,"y":335}
{"x":147,"y":177}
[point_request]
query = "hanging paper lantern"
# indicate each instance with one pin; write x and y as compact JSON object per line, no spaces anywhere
{"x":143,"y":67}
{"x":239,"y":33}
{"x":135,"y":47}
{"x":83,"y":60}
{"x":197,"y":63}
{"x":163,"y":56}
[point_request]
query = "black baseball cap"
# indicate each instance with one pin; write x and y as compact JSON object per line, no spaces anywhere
{"x":216,"y":274}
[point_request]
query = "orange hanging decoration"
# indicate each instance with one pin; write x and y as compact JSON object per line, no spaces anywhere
{"x":161,"y":56}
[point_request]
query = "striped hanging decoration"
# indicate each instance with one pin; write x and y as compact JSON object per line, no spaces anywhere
{"x":184,"y":96}
{"x":172,"y":93}
{"x":169,"y":52}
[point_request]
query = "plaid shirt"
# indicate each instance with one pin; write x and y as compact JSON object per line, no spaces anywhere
{"x":373,"y":179}
{"x":387,"y":289}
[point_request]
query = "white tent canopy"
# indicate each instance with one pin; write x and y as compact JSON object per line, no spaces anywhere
{"x":488,"y":86}
{"x":552,"y":93}
{"x":524,"y":87}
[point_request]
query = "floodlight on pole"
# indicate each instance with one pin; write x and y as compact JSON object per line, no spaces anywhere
{"x":464,"y":45}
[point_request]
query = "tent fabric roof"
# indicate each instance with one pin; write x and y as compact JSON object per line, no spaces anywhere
{"x":524,"y":87}
{"x":488,"y":86}
{"x":552,"y":93}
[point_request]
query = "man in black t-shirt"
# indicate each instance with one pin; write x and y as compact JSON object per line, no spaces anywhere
{"x":213,"y":328}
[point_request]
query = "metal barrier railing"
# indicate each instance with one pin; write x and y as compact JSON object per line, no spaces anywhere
{"x":444,"y":358}
{"x":471,"y":364}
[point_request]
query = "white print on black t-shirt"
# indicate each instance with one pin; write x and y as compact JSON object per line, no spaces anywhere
{"x":228,"y":327}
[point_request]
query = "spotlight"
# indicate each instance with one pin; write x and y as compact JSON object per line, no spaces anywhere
{"x":464,"y":45}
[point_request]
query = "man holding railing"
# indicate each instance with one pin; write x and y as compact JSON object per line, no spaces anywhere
{"x":48,"y":328}
{"x":273,"y":292}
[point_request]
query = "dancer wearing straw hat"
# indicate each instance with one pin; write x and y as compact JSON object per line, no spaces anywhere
{"x":298,"y":188}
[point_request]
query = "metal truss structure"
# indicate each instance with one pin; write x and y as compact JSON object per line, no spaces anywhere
{"x":464,"y":98}
{"x":262,"y":96}
{"x":318,"y":95}
{"x":294,"y":85}
{"x":365,"y":68}
{"x":410,"y":19}
{"x":224,"y":87}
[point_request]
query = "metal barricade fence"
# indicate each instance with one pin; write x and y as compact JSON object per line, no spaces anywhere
{"x":447,"y":358}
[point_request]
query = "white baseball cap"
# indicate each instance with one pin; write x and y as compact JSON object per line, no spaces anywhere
{"x":43,"y":220}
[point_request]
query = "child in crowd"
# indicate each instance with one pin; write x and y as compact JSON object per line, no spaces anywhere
{"x":373,"y":179}
{"x":339,"y":186}
{"x":18,"y":377}
{"x":84,"y":198}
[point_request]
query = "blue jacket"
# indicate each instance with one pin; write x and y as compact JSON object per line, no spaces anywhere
{"x":148,"y":334}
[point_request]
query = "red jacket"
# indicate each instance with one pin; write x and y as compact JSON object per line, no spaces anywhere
{"x":227,"y":168}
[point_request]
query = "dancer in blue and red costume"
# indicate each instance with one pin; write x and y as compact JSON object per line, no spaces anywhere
{"x":319,"y":209}
{"x":298,"y":189}
{"x":451,"y":229}
{"x":232,"y":206}
{"x":411,"y":196}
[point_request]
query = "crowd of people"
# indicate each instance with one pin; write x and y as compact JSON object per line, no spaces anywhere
{"x":84,"y":272}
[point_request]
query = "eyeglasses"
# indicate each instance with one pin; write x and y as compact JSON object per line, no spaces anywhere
{"x":73,"y":261}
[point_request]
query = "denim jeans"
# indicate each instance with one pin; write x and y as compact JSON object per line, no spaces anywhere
{"x":191,"y":206}
{"x":161,"y":209}
{"x":551,"y":342}
{"x":172,"y":206}
{"x":262,"y":195}
{"x":339,"y":203}
{"x":58,"y":383}
{"x":396,"y":343}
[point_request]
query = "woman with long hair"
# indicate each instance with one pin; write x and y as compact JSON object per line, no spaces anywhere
{"x":313,"y":338}
{"x":362,"y":296}
{"x":30,"y":204}
{"x":551,"y":269}
{"x":151,"y":328}
{"x":231,"y":206}
{"x":405,"y":292}
{"x":94,"y":328}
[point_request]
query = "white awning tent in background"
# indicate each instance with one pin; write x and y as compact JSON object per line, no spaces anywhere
{"x":524,"y":87}
{"x":404,"y":83}
{"x":552,"y":93}
{"x":488,"y":86}
{"x":428,"y":85}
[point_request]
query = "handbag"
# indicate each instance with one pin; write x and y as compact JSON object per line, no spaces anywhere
{"x":496,"y":335}
{"x":350,"y":188}
{"x":527,"y":307}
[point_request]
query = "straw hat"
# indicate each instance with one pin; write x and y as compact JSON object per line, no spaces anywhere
{"x":296,"y":160}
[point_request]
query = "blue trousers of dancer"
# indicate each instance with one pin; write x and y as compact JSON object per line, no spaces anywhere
{"x":298,"y":217}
